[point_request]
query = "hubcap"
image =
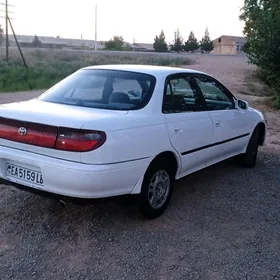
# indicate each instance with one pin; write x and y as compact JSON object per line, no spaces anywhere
{"x":159,"y":188}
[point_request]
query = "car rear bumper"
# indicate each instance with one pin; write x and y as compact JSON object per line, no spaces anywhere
{"x":72,"y":179}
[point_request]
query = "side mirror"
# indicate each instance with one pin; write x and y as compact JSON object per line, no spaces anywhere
{"x":242,"y":104}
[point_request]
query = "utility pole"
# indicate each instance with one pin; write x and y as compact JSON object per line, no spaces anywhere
{"x":95,"y":27}
{"x":7,"y":36}
{"x":21,"y":54}
{"x":8,"y":22}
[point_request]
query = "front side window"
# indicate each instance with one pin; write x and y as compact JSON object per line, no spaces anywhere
{"x":104,"y":89}
{"x":214,"y":94}
{"x":180,"y":96}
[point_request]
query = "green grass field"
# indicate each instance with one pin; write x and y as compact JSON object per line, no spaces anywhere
{"x":47,"y":67}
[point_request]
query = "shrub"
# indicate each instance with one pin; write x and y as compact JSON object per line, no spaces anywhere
{"x":262,"y":25}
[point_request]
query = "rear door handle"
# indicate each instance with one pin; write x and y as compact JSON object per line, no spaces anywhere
{"x":178,"y":130}
{"x":218,"y":123}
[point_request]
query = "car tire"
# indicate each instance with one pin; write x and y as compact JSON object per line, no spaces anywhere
{"x":249,"y":159}
{"x":156,"y":189}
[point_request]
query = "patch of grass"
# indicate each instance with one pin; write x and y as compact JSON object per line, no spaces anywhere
{"x":272,"y":82}
{"x":38,"y":76}
{"x":255,"y":86}
{"x":47,"y":67}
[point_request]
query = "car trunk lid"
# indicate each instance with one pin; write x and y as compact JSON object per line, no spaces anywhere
{"x":36,"y":126}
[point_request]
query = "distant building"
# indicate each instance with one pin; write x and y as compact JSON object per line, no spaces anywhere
{"x":229,"y":45}
{"x":142,"y":47}
{"x":56,"y":42}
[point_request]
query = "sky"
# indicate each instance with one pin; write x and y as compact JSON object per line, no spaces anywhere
{"x":131,"y":19}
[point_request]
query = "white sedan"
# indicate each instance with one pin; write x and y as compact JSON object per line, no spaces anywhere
{"x":125,"y":129}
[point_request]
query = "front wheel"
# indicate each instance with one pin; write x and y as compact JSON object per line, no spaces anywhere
{"x":249,"y":159}
{"x":157,"y":189}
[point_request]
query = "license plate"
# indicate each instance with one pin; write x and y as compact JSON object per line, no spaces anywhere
{"x":24,"y":174}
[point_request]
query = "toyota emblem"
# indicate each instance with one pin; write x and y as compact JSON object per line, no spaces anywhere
{"x":22,"y":131}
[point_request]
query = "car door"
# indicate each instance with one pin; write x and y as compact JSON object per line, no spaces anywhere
{"x":231,"y":130}
{"x":189,"y":125}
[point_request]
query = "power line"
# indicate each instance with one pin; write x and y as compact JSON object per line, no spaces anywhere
{"x":8,"y":11}
{"x":4,"y":4}
{"x":5,"y":17}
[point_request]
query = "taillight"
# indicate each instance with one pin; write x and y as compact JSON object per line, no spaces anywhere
{"x":47,"y":136}
{"x":78,"y":140}
{"x":28,"y":133}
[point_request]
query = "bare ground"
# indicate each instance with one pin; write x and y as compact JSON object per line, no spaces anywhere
{"x":223,"y":222}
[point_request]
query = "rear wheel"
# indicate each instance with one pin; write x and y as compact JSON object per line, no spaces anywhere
{"x":249,"y":159}
{"x":156,"y":189}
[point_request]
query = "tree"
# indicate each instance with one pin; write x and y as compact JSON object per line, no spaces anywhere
{"x":160,"y":44}
{"x":36,"y":42}
{"x":115,"y":44}
{"x":126,"y":47}
{"x":262,"y":25}
{"x":1,"y":36}
{"x":206,"y":44}
{"x":177,"y":45}
{"x":191,"y":44}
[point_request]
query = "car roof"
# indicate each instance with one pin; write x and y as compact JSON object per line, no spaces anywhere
{"x":146,"y":69}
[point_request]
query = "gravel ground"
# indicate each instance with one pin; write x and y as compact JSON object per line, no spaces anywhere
{"x":223,"y":222}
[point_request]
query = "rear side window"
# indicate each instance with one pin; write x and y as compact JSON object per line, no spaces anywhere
{"x":180,"y":96}
{"x":104,"y":89}
{"x":87,"y":89}
{"x":131,"y":86}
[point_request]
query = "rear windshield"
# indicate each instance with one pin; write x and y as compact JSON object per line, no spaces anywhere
{"x":104,"y":89}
